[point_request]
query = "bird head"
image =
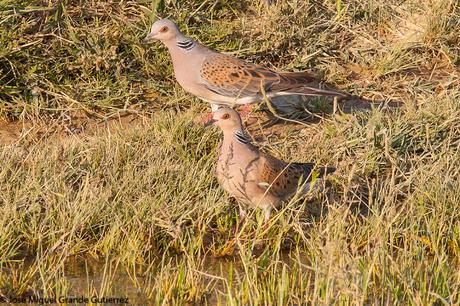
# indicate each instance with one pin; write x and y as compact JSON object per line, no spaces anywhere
{"x":163,"y":30}
{"x":226,"y":118}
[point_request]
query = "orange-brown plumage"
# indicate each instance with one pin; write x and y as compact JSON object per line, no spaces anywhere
{"x":224,"y":80}
{"x":255,"y":178}
{"x":232,"y":77}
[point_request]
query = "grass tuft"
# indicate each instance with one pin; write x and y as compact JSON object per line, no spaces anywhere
{"x":107,"y":185}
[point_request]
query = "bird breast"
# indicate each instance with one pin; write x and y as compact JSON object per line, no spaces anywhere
{"x":237,"y":172}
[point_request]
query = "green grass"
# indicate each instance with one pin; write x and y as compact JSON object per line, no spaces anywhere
{"x":137,"y":211}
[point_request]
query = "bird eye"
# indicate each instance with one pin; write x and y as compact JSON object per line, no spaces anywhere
{"x":164,"y":29}
{"x":225,"y":116}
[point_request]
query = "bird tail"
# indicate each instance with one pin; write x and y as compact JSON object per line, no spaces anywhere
{"x":308,"y":168}
{"x":326,"y":170}
{"x":309,"y":178}
{"x":311,"y":91}
{"x":301,"y":83}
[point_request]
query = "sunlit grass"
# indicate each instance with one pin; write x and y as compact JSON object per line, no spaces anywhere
{"x":136,"y":211}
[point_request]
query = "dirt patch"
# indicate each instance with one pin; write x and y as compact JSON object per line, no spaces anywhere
{"x":10,"y":132}
{"x":259,"y":121}
{"x":38,"y":130}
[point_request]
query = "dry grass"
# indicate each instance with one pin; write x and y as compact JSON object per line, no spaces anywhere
{"x":143,"y":199}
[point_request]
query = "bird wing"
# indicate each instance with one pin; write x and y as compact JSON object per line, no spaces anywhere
{"x":231,"y":77}
{"x":302,"y":83}
{"x":289,"y":80}
{"x":282,"y":179}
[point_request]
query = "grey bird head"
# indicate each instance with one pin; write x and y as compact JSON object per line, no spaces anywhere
{"x":227,"y":119}
{"x":163,"y":30}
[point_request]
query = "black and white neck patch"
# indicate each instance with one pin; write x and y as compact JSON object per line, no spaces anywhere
{"x":241,"y":137}
{"x":186,"y":44}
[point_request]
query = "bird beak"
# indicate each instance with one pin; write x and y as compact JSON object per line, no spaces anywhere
{"x":210,"y":122}
{"x":148,"y":38}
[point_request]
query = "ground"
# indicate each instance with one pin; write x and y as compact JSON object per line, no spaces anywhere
{"x":107,"y":184}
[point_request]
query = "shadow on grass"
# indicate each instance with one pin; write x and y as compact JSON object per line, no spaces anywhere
{"x":311,"y":110}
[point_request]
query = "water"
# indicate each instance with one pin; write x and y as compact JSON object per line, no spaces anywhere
{"x":89,"y":280}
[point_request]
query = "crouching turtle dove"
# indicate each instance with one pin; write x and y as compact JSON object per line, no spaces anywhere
{"x":223,"y":80}
{"x":255,"y":178}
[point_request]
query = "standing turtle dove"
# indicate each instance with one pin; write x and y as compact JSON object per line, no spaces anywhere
{"x":223,"y":80}
{"x":254,"y":178}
